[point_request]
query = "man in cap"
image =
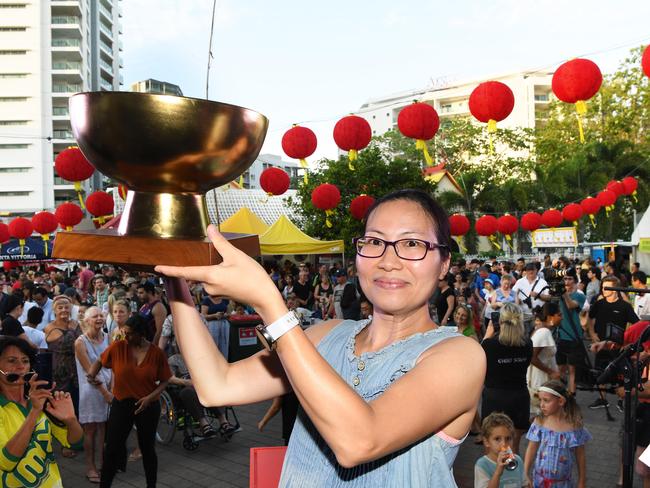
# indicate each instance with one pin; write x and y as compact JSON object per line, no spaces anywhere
{"x":530,"y":292}
{"x":570,"y":351}
{"x":345,"y":297}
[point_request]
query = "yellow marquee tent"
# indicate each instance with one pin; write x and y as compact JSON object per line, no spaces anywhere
{"x":244,"y":221}
{"x":283,"y":237}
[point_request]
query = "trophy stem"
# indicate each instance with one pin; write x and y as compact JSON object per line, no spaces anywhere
{"x":164,"y":215}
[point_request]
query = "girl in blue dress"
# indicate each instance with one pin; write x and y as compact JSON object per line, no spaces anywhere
{"x":557,"y":440}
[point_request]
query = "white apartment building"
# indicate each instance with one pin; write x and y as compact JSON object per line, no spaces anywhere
{"x":49,"y":50}
{"x":532,"y":91}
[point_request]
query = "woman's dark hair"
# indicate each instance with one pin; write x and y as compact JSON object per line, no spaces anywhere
{"x":546,"y":311}
{"x":138,"y":324}
{"x":433,"y":210}
{"x":596,"y":270}
{"x":22,"y":344}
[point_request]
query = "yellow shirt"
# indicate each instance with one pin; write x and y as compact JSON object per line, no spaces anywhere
{"x":37,"y":467}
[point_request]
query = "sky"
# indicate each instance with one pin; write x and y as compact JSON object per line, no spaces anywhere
{"x":314,"y":62}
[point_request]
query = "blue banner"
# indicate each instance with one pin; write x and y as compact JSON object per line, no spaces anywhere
{"x":33,"y":250}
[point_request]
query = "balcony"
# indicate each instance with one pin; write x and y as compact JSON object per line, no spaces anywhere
{"x":65,"y":89}
{"x":60,"y":112}
{"x":106,"y":48}
{"x":106,"y":66}
{"x":105,"y":85}
{"x":66,"y":65}
{"x":63,"y":134}
{"x":106,"y":31}
{"x":65,"y":7}
{"x":106,"y":13}
{"x":65,"y":45}
{"x":67,"y":72}
{"x":68,"y":25}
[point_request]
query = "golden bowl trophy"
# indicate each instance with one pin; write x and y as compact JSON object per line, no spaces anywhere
{"x":168,"y":151}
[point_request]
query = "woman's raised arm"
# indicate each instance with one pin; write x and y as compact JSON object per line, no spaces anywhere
{"x":217,"y":382}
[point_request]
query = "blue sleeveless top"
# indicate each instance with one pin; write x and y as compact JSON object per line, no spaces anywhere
{"x":428,"y":462}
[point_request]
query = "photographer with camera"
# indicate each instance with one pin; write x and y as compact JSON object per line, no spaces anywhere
{"x":530,"y":292}
{"x":570,"y":349}
{"x":608,"y":318}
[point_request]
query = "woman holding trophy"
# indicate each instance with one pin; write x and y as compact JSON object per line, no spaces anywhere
{"x":350,"y":376}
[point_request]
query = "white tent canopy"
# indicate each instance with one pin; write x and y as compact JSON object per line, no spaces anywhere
{"x":642,"y":231}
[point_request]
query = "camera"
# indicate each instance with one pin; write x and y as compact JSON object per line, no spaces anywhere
{"x":555,"y":278}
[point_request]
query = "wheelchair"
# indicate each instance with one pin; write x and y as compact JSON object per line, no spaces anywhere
{"x":174,"y":417}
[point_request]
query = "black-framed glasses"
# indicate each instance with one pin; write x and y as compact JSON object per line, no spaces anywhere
{"x":408,"y":249}
{"x":13,"y":377}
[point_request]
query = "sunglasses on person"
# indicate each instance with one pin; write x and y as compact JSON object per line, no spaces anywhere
{"x":13,"y":377}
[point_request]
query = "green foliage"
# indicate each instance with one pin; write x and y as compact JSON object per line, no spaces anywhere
{"x":374,"y":174}
{"x":526,"y":170}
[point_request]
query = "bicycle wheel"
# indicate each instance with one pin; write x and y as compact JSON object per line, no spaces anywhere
{"x":167,"y":423}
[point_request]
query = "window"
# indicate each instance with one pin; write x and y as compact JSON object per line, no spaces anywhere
{"x":13,"y":29}
{"x":13,"y":99}
{"x":14,"y":193}
{"x":14,"y":122}
{"x":541,"y":98}
{"x":14,"y":170}
{"x":13,"y":5}
{"x":12,"y":52}
{"x":13,"y":75}
{"x":14,"y":146}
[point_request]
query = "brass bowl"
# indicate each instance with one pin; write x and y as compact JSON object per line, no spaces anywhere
{"x":163,"y":143}
{"x":168,"y":151}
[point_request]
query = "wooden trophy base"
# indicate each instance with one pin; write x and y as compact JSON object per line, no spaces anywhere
{"x":143,"y":253}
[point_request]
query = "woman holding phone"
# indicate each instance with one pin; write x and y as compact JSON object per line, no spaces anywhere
{"x":27,"y":458}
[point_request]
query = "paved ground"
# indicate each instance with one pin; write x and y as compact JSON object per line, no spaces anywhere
{"x":219,"y":464}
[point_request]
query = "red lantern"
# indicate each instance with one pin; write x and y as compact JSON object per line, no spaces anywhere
{"x":508,"y":224}
{"x":360,"y":205}
{"x":491,"y":102}
{"x":531,"y":221}
{"x":100,"y":205}
{"x":572,"y":213}
{"x":45,"y":223}
{"x":68,"y":214}
{"x":645,"y":61}
{"x":326,"y":197}
{"x":352,"y":133}
{"x":630,"y":184}
{"x":552,"y":218}
{"x":591,"y":207}
{"x":487,"y":226}
{"x":617,"y":187}
{"x":274,"y":181}
{"x":72,"y":165}
{"x":459,"y":226}
{"x":419,"y":121}
{"x":607,"y":199}
{"x":299,"y":143}
{"x":4,"y":233}
{"x":20,"y":228}
{"x":576,"y":81}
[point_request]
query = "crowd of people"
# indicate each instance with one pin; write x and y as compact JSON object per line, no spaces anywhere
{"x":108,"y":341}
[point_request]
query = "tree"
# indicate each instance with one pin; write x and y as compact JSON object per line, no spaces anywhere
{"x":375,"y":174}
{"x":616,"y":127}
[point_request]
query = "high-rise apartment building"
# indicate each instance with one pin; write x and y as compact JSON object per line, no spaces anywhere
{"x":532,"y":92}
{"x":49,"y":50}
{"x":157,"y":87}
